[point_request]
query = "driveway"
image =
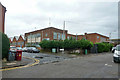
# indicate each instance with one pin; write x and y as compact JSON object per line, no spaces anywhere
{"x":93,"y":66}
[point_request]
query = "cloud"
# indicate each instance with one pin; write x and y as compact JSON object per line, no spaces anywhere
{"x":80,"y":17}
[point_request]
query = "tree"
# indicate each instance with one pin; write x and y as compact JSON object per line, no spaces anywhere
{"x":5,"y":45}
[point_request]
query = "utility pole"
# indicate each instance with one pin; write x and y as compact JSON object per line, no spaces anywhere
{"x":63,"y":34}
{"x":63,"y":30}
{"x":110,"y":34}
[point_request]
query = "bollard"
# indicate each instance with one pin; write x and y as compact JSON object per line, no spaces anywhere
{"x":85,"y":51}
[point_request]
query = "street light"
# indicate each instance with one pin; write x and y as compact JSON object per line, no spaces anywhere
{"x":63,"y":30}
{"x":110,"y":34}
{"x":63,"y":34}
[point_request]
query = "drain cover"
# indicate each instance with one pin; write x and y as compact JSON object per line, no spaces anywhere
{"x":39,"y":57}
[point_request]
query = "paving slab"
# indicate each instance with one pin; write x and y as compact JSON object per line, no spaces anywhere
{"x":10,"y":64}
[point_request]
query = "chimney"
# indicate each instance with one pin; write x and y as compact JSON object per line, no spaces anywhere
{"x":85,"y":35}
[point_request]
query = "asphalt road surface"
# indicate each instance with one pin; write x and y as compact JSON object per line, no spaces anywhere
{"x":96,"y":66}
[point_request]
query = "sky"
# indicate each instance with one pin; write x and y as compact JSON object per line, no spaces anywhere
{"x":24,"y":16}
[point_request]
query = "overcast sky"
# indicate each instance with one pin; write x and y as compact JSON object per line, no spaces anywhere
{"x":29,"y":15}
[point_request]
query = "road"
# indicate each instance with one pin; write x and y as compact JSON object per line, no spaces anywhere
{"x":96,"y":66}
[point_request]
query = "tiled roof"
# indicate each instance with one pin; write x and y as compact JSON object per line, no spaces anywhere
{"x":23,"y":37}
{"x":16,"y":37}
{"x":11,"y":38}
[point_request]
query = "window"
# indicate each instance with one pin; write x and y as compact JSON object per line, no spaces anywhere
{"x":38,"y":35}
{"x":33,"y":36}
{"x":18,"y":43}
{"x":97,"y":37}
{"x":29,"y":37}
{"x":54,"y":35}
{"x":63,"y":37}
{"x":59,"y":36}
{"x":68,"y":37}
{"x":46,"y":34}
{"x":22,"y":43}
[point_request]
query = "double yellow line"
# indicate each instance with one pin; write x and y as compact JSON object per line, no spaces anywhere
{"x":36,"y":62}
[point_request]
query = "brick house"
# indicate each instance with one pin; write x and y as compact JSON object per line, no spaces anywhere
{"x":20,"y":41}
{"x":2,"y":17}
{"x":14,"y":41}
{"x":17,"y":41}
{"x":52,"y":33}
{"x":94,"y":37}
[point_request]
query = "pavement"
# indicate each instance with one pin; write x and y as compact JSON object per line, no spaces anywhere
{"x":89,"y":66}
{"x":11,"y":64}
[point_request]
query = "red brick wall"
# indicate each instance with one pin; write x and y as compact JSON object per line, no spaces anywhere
{"x":71,"y":35}
{"x":80,"y":37}
{"x":2,"y":17}
{"x":49,"y":32}
{"x":93,"y":37}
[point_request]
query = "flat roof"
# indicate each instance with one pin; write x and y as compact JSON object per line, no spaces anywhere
{"x":97,"y":34}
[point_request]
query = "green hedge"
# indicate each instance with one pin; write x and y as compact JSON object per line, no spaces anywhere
{"x":5,"y":45}
{"x":104,"y":47}
{"x":67,"y":44}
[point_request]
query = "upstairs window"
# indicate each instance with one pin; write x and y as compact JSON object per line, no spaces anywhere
{"x":46,"y":34}
{"x":59,"y":36}
{"x":54,"y":35}
{"x":97,"y":37}
{"x":38,"y":35}
{"x":63,"y":37}
{"x":68,"y":37}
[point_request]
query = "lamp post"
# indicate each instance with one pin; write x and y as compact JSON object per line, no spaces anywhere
{"x":110,"y":35}
{"x":63,"y":34}
{"x":63,"y":30}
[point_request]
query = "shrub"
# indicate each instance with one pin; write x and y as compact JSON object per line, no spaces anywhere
{"x":100,"y":47}
{"x":85,"y":44}
{"x":44,"y":44}
{"x":107,"y":47}
{"x":104,"y":47}
{"x":5,"y":45}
